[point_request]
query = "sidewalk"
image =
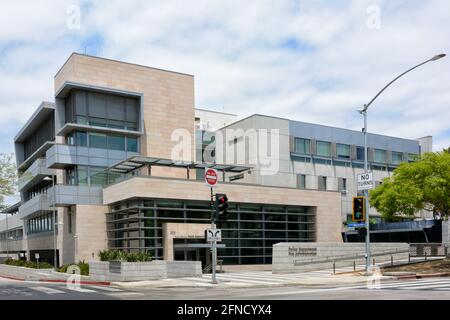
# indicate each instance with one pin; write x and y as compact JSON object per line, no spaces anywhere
{"x":205,"y":282}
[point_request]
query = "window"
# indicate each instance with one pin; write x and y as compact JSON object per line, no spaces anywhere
{"x":396,"y":157}
{"x":343,"y":151}
{"x":302,"y":145}
{"x":323,"y":148}
{"x":97,"y":140}
{"x":116,"y":142}
{"x":322,"y":183}
{"x":360,"y":153}
{"x":132,"y":144}
{"x":301,"y":181}
{"x":342,"y":184}
{"x":99,"y":176}
{"x":81,"y":138}
{"x":82,"y":175}
{"x":412,"y":157}
{"x":379,"y":156}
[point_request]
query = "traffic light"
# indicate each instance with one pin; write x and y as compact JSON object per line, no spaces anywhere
{"x":359,"y":209}
{"x":222,"y":206}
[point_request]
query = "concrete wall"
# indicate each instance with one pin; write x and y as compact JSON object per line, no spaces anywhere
{"x":327,"y":205}
{"x":141,"y":271}
{"x":300,"y":257}
{"x":90,"y":230}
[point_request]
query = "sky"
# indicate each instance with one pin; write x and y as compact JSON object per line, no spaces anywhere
{"x":313,"y":61}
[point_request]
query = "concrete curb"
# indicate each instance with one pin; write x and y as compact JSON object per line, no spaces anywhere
{"x":84,"y":282}
{"x":424,"y":276}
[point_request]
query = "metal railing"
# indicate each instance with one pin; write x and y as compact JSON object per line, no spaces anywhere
{"x":428,"y":250}
{"x":208,"y":267}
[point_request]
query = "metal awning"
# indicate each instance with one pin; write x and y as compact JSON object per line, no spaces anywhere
{"x":136,"y":162}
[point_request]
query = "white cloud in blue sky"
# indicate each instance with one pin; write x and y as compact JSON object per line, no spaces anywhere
{"x":314,"y":61}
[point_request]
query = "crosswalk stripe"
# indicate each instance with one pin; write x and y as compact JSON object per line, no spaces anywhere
{"x":414,"y":284}
{"x":80,"y":289}
{"x":47,"y":290}
{"x":106,"y":288}
{"x":424,"y":287}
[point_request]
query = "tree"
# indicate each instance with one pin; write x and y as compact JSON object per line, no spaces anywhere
{"x":8,"y":177}
{"x":424,"y":184}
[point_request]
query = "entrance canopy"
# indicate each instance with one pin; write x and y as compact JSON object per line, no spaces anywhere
{"x":137,"y":162}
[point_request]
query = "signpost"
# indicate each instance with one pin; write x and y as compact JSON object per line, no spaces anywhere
{"x":211,"y":180}
{"x":36,"y":256}
{"x":213,"y":235}
{"x":365,"y":181}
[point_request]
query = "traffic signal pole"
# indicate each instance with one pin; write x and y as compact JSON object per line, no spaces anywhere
{"x":366,"y":195}
{"x":213,"y":243}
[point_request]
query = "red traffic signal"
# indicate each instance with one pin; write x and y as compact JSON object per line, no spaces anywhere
{"x":221,"y":206}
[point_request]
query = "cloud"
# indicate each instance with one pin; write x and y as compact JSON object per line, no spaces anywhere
{"x":314,"y":61}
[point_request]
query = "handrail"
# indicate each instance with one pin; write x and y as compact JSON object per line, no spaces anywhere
{"x":347,"y":257}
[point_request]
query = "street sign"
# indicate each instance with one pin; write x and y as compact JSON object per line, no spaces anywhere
{"x":213,"y":235}
{"x":36,"y":256}
{"x":211,"y":177}
{"x":365,"y":181}
{"x":356,"y":225}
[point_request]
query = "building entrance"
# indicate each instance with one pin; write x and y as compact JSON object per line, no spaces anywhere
{"x":190,"y":250}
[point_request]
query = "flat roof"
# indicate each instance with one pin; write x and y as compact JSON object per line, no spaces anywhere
{"x":137,"y":162}
{"x":118,"y":61}
{"x":313,"y":124}
{"x":36,"y":119}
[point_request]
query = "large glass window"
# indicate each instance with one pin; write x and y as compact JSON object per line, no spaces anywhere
{"x":397,"y":157}
{"x":343,"y":151}
{"x":97,"y":140}
{"x":99,"y":176}
{"x":323,"y":148}
{"x":302,"y":145}
{"x":104,"y":110}
{"x":379,"y":156}
{"x":116,"y":142}
{"x":132,"y":144}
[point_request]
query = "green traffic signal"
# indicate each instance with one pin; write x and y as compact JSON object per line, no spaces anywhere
{"x":359,"y":210}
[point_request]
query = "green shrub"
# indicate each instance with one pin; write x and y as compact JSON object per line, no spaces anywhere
{"x":84,"y":268}
{"x":119,"y":255}
{"x":28,"y":264}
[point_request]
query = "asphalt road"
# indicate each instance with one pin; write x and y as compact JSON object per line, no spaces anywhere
{"x":426,"y":289}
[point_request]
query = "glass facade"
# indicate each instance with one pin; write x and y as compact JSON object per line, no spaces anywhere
{"x":249,"y":233}
{"x":41,"y":224}
{"x":102,"y":141}
{"x":102,"y":110}
{"x":89,"y":176}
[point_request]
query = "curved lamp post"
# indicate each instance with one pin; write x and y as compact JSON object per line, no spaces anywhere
{"x":364,"y":113}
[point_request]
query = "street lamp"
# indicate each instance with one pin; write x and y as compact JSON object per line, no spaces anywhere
{"x":55,"y":263}
{"x":364,"y":113}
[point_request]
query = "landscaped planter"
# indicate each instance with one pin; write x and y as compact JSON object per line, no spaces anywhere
{"x":140,"y":271}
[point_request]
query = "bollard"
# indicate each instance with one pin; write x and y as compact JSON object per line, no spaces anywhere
{"x":334,"y":267}
{"x":354,"y":265}
{"x":392,"y":261}
{"x":373,"y":261}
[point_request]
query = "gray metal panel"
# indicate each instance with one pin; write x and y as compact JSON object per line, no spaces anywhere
{"x":346,"y":136}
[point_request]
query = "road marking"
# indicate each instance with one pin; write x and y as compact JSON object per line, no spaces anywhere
{"x":106,"y":288}
{"x":81,"y":290}
{"x":47,"y":290}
